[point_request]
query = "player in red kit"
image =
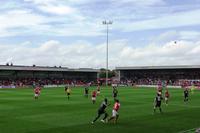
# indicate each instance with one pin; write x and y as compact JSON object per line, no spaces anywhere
{"x":40,"y":89}
{"x":94,"y":95}
{"x":166,"y":97}
{"x":37,"y":92}
{"x":115,"y":114}
{"x":159,"y":88}
{"x":98,"y":90}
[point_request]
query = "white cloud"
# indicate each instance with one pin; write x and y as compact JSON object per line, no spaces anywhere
{"x":23,"y":22}
{"x":72,"y":22}
{"x":41,"y":1}
{"x":134,"y":2}
{"x":84,"y":54}
{"x":17,"y":18}
{"x":167,"y":36}
{"x":13,"y":21}
{"x":186,"y":18}
{"x":49,"y":18}
{"x":52,"y":7}
{"x":9,"y":5}
{"x":142,"y":2}
{"x":59,"y":9}
{"x":190,"y":35}
{"x":175,"y":35}
{"x":169,"y":54}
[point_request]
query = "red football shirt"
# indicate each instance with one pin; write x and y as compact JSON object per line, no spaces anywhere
{"x":116,"y":106}
{"x":37,"y":91}
{"x":94,"y":94}
{"x":167,"y":94}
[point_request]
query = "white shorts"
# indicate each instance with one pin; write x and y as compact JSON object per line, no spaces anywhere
{"x":93,"y":98}
{"x":36,"y":95}
{"x":114,"y":113}
{"x":98,"y":92}
{"x":166,"y":98}
{"x":114,"y":85}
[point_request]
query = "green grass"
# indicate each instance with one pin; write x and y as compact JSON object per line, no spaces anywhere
{"x":53,"y":113}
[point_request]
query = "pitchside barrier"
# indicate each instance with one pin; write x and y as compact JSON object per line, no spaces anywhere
{"x":155,"y":86}
{"x":169,"y":86}
{"x":119,"y":85}
{"x":6,"y":87}
{"x":150,"y":86}
{"x":54,"y":86}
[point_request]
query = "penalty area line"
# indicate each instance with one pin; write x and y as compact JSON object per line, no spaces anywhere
{"x":189,"y":130}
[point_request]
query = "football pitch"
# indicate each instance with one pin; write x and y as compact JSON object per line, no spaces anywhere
{"x":54,"y":113}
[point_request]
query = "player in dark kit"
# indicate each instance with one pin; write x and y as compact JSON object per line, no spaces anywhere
{"x":67,"y":91}
{"x":102,"y":110}
{"x":186,"y":95}
{"x":157,"y":102}
{"x":86,"y":91}
{"x":115,"y":92}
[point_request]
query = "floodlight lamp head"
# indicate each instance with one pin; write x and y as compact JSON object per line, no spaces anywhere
{"x":104,"y":22}
{"x":107,"y":22}
{"x":110,"y":22}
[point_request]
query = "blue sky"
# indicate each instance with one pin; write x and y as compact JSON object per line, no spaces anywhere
{"x":70,"y":32}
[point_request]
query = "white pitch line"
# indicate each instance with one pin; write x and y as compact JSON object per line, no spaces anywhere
{"x":185,"y":131}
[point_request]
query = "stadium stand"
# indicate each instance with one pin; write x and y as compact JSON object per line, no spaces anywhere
{"x":14,"y":76}
{"x":151,"y":75}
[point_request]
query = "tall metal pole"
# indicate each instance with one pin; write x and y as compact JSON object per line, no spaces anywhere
{"x":107,"y":23}
{"x":107,"y":58}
